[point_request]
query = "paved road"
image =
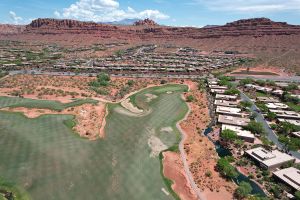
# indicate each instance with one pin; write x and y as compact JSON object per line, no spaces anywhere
{"x":270,"y":133}
{"x":273,"y":78}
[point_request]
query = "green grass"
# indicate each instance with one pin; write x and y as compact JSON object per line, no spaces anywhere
{"x":293,"y":106}
{"x":46,"y":159}
{"x":18,"y":193}
{"x":42,"y":104}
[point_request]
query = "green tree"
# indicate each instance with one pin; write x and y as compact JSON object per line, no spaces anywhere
{"x":245,"y":104}
{"x":297,"y":195}
{"x":246,"y":81}
{"x":243,"y":190}
{"x":190,"y":98}
{"x":130,"y":82}
{"x":255,"y":128}
{"x":226,"y":169}
{"x":103,"y":77}
{"x":271,"y":116}
{"x":232,"y":91}
{"x":228,"y":135}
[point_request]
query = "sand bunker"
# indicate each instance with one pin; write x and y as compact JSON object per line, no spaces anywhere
{"x":167,"y":129}
{"x":129,"y":106}
{"x":156,"y":146}
{"x":150,"y":97}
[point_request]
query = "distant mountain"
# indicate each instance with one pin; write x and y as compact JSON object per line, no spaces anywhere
{"x":122,"y":22}
{"x":210,"y":26}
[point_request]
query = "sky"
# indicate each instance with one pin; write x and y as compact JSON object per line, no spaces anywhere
{"x":196,"y":13}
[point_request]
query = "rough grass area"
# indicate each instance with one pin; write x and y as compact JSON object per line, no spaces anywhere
{"x":18,"y":193}
{"x":42,"y":104}
{"x":293,"y":106}
{"x":47,"y":160}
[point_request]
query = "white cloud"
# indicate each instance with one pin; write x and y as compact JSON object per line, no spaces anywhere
{"x":105,"y":11}
{"x":16,"y":19}
{"x":251,"y":5}
{"x":57,"y":14}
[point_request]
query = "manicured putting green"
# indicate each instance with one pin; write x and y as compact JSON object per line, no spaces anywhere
{"x":47,"y":160}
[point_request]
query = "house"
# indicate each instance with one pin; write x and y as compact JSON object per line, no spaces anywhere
{"x":277,"y":106}
{"x":217,"y":91}
{"x":226,"y":97}
{"x":296,"y":134}
{"x":291,"y":121}
{"x":258,"y":88}
{"x":285,"y":114}
{"x":226,"y":103}
{"x":290,"y":176}
{"x":217,"y":87}
{"x":277,"y":92}
{"x":270,"y":160}
{"x":267,"y":99}
{"x":242,"y":134}
{"x":230,"y":120}
{"x":230,"y":111}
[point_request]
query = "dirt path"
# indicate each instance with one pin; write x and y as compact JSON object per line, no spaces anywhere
{"x":184,"y":157}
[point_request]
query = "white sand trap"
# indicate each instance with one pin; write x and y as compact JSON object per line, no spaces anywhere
{"x":150,"y":97}
{"x":165,"y":191}
{"x":126,"y":112}
{"x":167,"y":129}
{"x":129,"y":106}
{"x":169,"y":92}
{"x":156,"y":146}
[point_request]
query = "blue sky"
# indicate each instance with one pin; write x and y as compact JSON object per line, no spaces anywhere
{"x":167,"y":12}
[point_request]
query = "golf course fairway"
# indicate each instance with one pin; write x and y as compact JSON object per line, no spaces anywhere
{"x":46,"y":160}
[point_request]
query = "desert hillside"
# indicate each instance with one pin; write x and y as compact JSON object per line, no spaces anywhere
{"x":273,"y":43}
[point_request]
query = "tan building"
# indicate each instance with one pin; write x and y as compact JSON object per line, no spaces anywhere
{"x":242,"y":134}
{"x":231,"y":120}
{"x":270,"y":160}
{"x":290,"y":176}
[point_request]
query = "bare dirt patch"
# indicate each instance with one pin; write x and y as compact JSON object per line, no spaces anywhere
{"x":261,"y":70}
{"x":129,"y":106}
{"x":150,"y":97}
{"x":167,"y":129}
{"x":89,"y":118}
{"x":64,"y":88}
{"x":173,"y":170}
{"x":201,"y":154}
{"x":156,"y":146}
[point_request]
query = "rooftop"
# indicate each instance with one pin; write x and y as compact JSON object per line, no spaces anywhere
{"x":291,"y":176}
{"x":239,"y":131}
{"x":229,"y":110}
{"x":226,"y":97}
{"x":277,"y":106}
{"x":269,"y":158}
{"x":219,"y":102}
{"x":225,"y":119}
{"x":291,"y":121}
{"x":267,"y":99}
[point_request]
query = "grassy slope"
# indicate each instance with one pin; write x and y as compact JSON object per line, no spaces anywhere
{"x":31,"y":103}
{"x":43,"y":156}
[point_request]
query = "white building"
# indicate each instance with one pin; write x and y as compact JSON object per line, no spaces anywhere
{"x":277,"y":106}
{"x":231,"y":120}
{"x":230,"y":111}
{"x":269,"y":159}
{"x":290,"y":176}
{"x":242,"y":134}
{"x":226,"y":97}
